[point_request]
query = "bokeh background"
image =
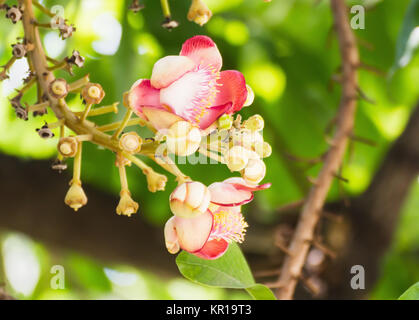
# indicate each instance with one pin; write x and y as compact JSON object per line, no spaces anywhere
{"x":288,"y":53}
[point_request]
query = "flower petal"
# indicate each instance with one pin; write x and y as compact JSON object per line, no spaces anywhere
{"x":193,"y":233}
{"x":203,"y":51}
{"x":170,"y":236}
{"x":212,"y":114}
{"x":142,"y":94}
{"x":233,"y":192}
{"x":213,"y":249}
{"x":159,"y":117}
{"x":232,"y":89}
{"x":170,"y":68}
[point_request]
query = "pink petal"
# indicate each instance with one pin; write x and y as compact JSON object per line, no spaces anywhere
{"x":233,"y":192}
{"x":203,"y":51}
{"x":191,"y":95}
{"x":159,"y":117}
{"x":213,"y":249}
{"x":193,"y":233}
{"x":232,"y":90}
{"x":142,"y":94}
{"x":212,"y":114}
{"x":169,"y":69}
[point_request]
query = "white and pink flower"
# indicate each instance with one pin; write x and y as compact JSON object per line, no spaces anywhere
{"x":188,"y":87}
{"x":208,"y":234}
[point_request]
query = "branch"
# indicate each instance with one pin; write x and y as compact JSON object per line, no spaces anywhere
{"x":303,"y":237}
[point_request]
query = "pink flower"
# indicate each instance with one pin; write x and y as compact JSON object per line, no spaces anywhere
{"x":188,"y":87}
{"x":209,"y":234}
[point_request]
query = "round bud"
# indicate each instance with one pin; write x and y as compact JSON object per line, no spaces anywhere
{"x":263,"y":149}
{"x":254,"y":123}
{"x":225,"y":122}
{"x":130,"y":142}
{"x":199,"y":12}
{"x":250,"y":96}
{"x":237,"y":158}
{"x":190,"y":199}
{"x":254,"y":172}
{"x":59,"y":88}
{"x":183,"y":138}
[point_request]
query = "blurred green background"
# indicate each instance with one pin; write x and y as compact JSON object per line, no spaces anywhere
{"x":287,"y":53}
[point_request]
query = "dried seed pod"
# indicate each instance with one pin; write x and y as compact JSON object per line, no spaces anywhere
{"x":45,"y":132}
{"x":75,"y":59}
{"x":19,"y":50}
{"x":136,"y":6}
{"x":15,"y":102}
{"x":199,"y":12}
{"x":59,"y":166}
{"x":67,"y":146}
{"x":169,"y":24}
{"x":130,"y":142}
{"x":21,"y":113}
{"x":66,"y":31}
{"x":93,"y":93}
{"x":14,"y":14}
{"x":59,"y":88}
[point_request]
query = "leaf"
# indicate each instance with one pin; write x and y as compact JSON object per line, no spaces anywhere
{"x":260,"y":292}
{"x":229,"y":271}
{"x":408,"y":38}
{"x":412,"y":293}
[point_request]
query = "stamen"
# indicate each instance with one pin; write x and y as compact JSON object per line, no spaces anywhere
{"x":229,"y":225}
{"x":207,"y":93}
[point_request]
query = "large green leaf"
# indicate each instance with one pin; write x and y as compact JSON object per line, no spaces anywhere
{"x":412,"y":293}
{"x":408,"y":39}
{"x":229,"y":271}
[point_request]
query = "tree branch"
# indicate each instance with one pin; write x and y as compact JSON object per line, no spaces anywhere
{"x":302,"y":239}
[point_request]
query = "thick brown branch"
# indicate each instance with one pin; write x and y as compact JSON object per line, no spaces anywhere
{"x":311,"y":211}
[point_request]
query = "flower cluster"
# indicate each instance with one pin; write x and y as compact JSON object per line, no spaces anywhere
{"x":190,"y":103}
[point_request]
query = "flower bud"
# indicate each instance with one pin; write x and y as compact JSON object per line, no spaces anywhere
{"x":93,"y":93}
{"x":59,"y":88}
{"x":183,"y":138}
{"x":130,"y":142}
{"x":237,"y":158}
{"x":199,"y":12}
{"x":225,"y":122}
{"x":190,"y":199}
{"x":68,"y":146}
{"x":250,"y":96}
{"x":155,"y":181}
{"x":263,"y":149}
{"x":254,"y":123}
{"x":126,"y":205}
{"x":75,"y":197}
{"x":254,"y":172}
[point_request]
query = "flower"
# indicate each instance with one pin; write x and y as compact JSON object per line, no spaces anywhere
{"x":188,"y":87}
{"x":190,"y":199}
{"x":126,"y":205}
{"x":183,"y":139}
{"x":208,"y":234}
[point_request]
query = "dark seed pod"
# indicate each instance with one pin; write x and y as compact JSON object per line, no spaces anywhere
{"x":14,"y":14}
{"x":76,"y":59}
{"x":21,"y":113}
{"x":19,"y":50}
{"x":59,"y":166}
{"x":45,"y":132}
{"x":169,"y":24}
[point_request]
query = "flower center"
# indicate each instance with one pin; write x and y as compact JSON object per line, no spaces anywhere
{"x":228,"y":225}
{"x":193,"y":94}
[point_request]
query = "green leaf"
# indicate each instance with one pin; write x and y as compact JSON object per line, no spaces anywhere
{"x":408,"y":39}
{"x":412,"y":293}
{"x":229,"y":271}
{"x":260,"y":292}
